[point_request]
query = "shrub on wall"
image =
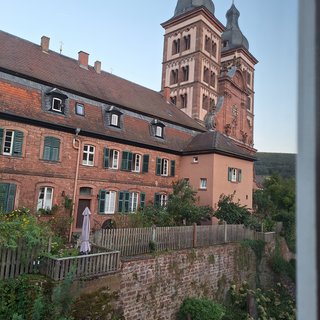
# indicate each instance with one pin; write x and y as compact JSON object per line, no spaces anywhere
{"x":200,"y":309}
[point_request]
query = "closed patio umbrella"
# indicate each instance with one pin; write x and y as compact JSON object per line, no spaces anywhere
{"x":85,"y":232}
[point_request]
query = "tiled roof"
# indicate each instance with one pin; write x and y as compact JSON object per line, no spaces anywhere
{"x":213,"y":141}
{"x":27,"y":59}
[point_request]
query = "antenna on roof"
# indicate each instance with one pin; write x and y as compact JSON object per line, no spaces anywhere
{"x":61,"y":44}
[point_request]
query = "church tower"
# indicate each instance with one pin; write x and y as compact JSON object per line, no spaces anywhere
{"x":208,"y":69}
{"x":191,"y":57}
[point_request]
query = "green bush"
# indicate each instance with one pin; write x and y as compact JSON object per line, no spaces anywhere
{"x":200,"y":309}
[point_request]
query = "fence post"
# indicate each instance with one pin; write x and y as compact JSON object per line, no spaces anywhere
{"x":194,"y":235}
{"x":225,"y":232}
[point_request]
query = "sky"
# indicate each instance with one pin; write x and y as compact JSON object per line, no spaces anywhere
{"x":127,"y":37}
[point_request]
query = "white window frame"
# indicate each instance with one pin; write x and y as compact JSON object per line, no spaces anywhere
{"x":8,"y":142}
{"x":110,"y":202}
{"x":234,"y":175}
{"x":45,"y":202}
{"x":79,"y":109}
{"x":163,"y":200}
{"x":203,"y":183}
{"x":159,"y":131}
{"x":88,"y":153}
{"x":136,"y":162}
{"x":53,"y":107}
{"x":164,"y":167}
{"x":114,"y":159}
{"x":114,"y":121}
{"x":134,"y":200}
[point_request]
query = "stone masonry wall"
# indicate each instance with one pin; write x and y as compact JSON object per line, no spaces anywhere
{"x":153,"y":288}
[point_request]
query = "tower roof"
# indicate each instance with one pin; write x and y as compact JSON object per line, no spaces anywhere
{"x":232,"y":37}
{"x":187,"y":5}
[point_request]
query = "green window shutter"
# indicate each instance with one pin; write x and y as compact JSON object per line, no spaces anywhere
{"x":1,"y":139}
{"x":17,"y":143}
{"x":172,"y":168}
{"x":126,"y":201}
{"x":11,"y":197}
{"x":121,"y":204}
{"x":239,"y":175}
{"x":130,"y":159}
{"x":55,"y":149}
{"x":106,"y":158}
{"x":229,"y":174}
{"x":51,"y":149}
{"x":124,"y":162}
{"x":158,"y":167}
{"x":102,"y":200}
{"x":145,"y":165}
{"x":4,"y":191}
{"x":142,"y":200}
{"x":156,"y":199}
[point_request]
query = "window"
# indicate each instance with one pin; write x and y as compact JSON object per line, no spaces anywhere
{"x":206,"y":74}
{"x":85,"y":191}
{"x":160,"y":199}
{"x":115,"y":120}
{"x":113,"y":117}
{"x":205,"y":102}
{"x":57,"y":105}
{"x":176,"y":46}
{"x":11,"y":142}
{"x":184,"y":100}
{"x":225,"y":44}
{"x":88,"y":155}
{"x":7,"y":197}
{"x":173,"y":100}
{"x":185,"y":72}
{"x":45,"y":198}
{"x":56,"y":101}
{"x":249,"y":103}
{"x":207,"y":43}
{"x":159,"y":131}
{"x":248,"y":78}
{"x":51,"y":149}
{"x":213,"y":79}
{"x":195,"y":159}
{"x":174,"y":76}
{"x":214,"y":49}
{"x":128,"y":201}
{"x":111,"y":158}
{"x":234,"y":175}
{"x":187,"y":42}
{"x":79,"y":109}
{"x":203,"y":183}
{"x":136,"y":162}
{"x":107,"y":202}
{"x":162,"y":167}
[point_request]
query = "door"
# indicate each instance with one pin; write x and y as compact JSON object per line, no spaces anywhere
{"x":83,"y":203}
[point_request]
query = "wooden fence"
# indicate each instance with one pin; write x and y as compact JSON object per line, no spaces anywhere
{"x":94,"y":264}
{"x":137,"y":241}
{"x":17,"y":261}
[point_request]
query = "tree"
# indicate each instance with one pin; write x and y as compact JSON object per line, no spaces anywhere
{"x":231,"y":212}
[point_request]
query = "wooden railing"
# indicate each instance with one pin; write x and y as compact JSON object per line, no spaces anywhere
{"x":19,"y":260}
{"x":137,"y":241}
{"x":83,"y":266}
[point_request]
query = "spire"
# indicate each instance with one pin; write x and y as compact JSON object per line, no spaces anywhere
{"x":232,"y":37}
{"x":187,"y":5}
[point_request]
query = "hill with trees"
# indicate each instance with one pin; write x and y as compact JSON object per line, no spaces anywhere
{"x":269,"y":163}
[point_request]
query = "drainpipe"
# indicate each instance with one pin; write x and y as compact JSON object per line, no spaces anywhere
{"x":76,"y":144}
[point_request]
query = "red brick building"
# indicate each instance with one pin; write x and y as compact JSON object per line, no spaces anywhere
{"x":69,"y":129}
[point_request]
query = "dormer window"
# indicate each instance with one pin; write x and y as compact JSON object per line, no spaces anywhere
{"x":113,"y":117}
{"x":157,"y":129}
{"x":56,"y":101}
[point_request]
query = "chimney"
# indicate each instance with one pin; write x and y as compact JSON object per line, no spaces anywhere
{"x":45,"y":43}
{"x":83,"y":59}
{"x":97,"y":66}
{"x":166,"y":93}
